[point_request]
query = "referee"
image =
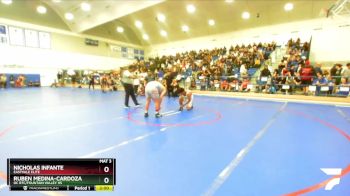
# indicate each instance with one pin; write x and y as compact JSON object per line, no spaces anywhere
{"x":128,"y":81}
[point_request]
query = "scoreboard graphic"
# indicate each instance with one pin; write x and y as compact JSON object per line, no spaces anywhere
{"x":61,"y":174}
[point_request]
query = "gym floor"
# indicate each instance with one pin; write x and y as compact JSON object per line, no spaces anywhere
{"x":224,"y":146}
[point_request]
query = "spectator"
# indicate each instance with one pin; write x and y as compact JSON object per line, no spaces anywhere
{"x":104,"y":83}
{"x":330,"y":82}
{"x":333,"y":70}
{"x":3,"y":81}
{"x":224,"y":85}
{"x":174,"y":87}
{"x":319,"y":82}
{"x":12,"y":81}
{"x":243,"y":71}
{"x":276,"y":81}
{"x":346,"y":72}
{"x":297,"y":80}
{"x":265,"y":72}
{"x":343,"y":83}
{"x":306,"y":75}
{"x":265,"y":75}
{"x":19,"y":81}
{"x":244,"y":85}
{"x":92,"y":82}
{"x":233,"y":85}
{"x":160,"y":73}
{"x":318,"y":69}
{"x":338,"y":73}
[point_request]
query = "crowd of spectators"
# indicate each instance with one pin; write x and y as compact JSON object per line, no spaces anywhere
{"x":108,"y":81}
{"x":219,"y":68}
{"x":14,"y":81}
{"x":295,"y":72}
{"x":231,"y":69}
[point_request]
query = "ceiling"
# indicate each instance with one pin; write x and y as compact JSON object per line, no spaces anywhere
{"x":106,"y":15}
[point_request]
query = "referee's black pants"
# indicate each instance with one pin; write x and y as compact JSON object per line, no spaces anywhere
{"x":129,"y":91}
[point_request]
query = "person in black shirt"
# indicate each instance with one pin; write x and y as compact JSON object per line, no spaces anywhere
{"x":12,"y":81}
{"x":169,"y":78}
{"x":337,"y":74}
{"x":264,"y":75}
{"x":92,"y":82}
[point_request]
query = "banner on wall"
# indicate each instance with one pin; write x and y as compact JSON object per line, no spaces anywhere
{"x":3,"y":34}
{"x":124,"y":52}
{"x":31,"y":38}
{"x":115,"y":48}
{"x":16,"y":36}
{"x":130,"y":53}
{"x":44,"y":40}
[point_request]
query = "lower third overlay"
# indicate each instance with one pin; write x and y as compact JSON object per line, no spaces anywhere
{"x":61,"y":174}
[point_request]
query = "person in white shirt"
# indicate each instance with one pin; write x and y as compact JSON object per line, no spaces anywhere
{"x":127,"y":80}
{"x":155,"y":92}
{"x":243,"y":71}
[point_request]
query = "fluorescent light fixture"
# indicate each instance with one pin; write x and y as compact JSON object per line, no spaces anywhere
{"x":191,"y":8}
{"x":6,"y":2}
{"x":161,"y":17}
{"x":41,"y":9}
{"x":69,"y":16}
{"x":85,"y":6}
{"x":163,"y":33}
{"x":120,"y":29}
{"x":245,"y":15}
{"x":138,"y":24}
{"x":145,"y":37}
{"x":211,"y":22}
{"x":185,"y":28}
{"x":229,"y":1}
{"x":288,"y":6}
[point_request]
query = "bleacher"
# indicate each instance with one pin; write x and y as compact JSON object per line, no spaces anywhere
{"x":31,"y":80}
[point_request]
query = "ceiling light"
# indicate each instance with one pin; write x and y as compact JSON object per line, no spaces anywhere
{"x":120,"y":29}
{"x":85,"y":6}
{"x":56,"y":1}
{"x":245,"y":15}
{"x":69,"y":16}
{"x":288,"y":6}
{"x":161,"y":17}
{"x":163,"y":33}
{"x":228,"y":1}
{"x":6,"y":2}
{"x":41,"y":9}
{"x":138,"y":24}
{"x":185,"y":28}
{"x":190,"y":8}
{"x":145,"y":37}
{"x":211,"y":22}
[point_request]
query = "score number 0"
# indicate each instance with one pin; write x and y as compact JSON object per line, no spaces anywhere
{"x":106,"y":170}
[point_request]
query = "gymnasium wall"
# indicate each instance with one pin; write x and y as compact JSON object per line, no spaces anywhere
{"x":329,"y":41}
{"x":68,"y":51}
{"x":331,"y":44}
